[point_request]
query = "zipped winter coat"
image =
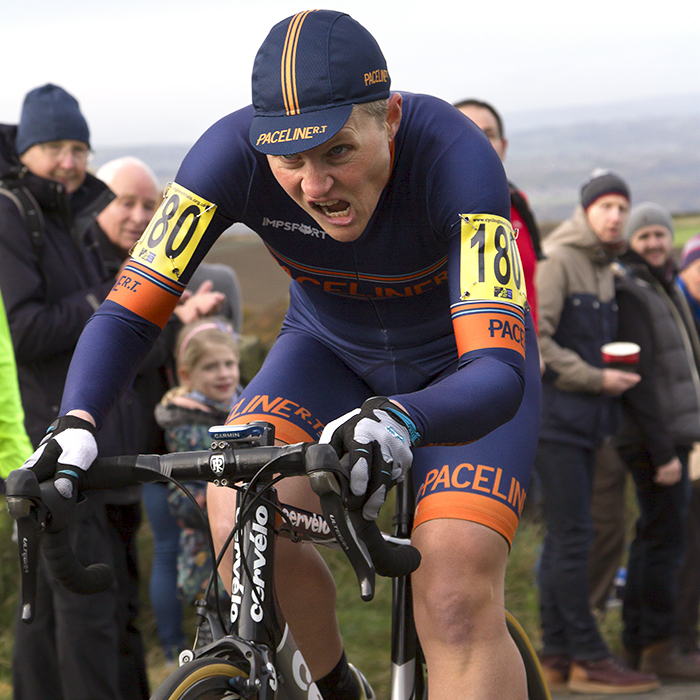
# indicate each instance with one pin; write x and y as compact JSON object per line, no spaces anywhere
{"x":662,"y":412}
{"x":577,"y":316}
{"x":50,"y":288}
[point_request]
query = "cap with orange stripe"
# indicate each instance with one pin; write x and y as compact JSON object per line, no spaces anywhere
{"x":309,"y":72}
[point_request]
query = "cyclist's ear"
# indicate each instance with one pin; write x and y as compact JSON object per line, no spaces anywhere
{"x":393,"y":116}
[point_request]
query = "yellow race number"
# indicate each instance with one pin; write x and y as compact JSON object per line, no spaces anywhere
{"x":490,"y":266}
{"x":167,"y":245}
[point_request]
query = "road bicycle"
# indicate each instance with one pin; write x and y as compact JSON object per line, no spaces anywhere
{"x":250,"y":653}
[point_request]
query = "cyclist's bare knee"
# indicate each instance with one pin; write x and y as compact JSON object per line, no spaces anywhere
{"x":458,"y":589}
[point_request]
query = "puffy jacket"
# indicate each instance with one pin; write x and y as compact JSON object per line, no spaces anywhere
{"x":51,"y":289}
{"x":577,"y":316}
{"x":663,"y":410}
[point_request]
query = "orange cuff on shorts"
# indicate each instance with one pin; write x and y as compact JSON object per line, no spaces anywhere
{"x":468,"y":506}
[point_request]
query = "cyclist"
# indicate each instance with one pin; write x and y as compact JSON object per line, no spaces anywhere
{"x":407,"y":318}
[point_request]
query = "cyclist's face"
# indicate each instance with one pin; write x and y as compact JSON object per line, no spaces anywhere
{"x":61,"y":161}
{"x":215,"y":375}
{"x":126,"y":217}
{"x":339,"y":182}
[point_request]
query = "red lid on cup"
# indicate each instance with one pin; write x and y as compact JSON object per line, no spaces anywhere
{"x":621,"y":352}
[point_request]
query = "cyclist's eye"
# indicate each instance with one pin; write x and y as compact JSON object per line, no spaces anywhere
{"x":339,"y":150}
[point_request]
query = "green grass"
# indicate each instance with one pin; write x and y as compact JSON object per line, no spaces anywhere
{"x":686,"y":227}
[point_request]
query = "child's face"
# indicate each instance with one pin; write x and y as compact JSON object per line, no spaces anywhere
{"x":216,"y":374}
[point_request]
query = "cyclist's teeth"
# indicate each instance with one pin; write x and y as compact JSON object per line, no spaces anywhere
{"x":330,"y":208}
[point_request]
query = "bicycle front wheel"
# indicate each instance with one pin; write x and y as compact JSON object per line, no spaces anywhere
{"x":207,"y":678}
{"x":536,"y":685}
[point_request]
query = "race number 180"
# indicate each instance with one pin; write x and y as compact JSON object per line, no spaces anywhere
{"x":490,"y":266}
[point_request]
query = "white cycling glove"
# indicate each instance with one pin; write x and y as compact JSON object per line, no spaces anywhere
{"x":378,"y":438}
{"x":69,"y":445}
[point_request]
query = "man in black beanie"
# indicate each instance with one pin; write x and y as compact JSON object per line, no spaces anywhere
{"x":578,"y":315}
{"x":52,"y":279}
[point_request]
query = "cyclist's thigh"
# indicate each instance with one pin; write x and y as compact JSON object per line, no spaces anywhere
{"x":301,"y":386}
{"x":483,"y":481}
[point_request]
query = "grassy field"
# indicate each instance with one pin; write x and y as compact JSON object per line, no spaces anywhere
{"x":686,"y":227}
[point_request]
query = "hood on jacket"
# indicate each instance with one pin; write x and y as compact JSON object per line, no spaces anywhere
{"x":576,"y":232}
{"x":10,"y":165}
{"x":172,"y":415}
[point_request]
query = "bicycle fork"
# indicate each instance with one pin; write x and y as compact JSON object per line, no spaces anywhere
{"x":407,"y":679}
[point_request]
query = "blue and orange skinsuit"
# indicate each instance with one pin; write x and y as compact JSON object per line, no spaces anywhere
{"x":427,"y":307}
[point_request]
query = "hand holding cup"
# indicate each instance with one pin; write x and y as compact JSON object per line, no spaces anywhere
{"x":621,"y":359}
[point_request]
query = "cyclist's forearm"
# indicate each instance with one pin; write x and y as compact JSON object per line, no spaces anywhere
{"x":107,"y":357}
{"x":466,"y":405}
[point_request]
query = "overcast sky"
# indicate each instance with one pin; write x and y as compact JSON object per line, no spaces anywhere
{"x":151,"y":71}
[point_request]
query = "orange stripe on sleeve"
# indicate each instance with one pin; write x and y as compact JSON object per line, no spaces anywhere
{"x":481,"y":326}
{"x":147,"y":297}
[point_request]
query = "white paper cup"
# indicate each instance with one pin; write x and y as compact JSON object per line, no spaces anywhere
{"x":621,"y":355}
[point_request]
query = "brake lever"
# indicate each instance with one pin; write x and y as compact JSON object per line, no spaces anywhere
{"x":329,"y":483}
{"x":24,"y":504}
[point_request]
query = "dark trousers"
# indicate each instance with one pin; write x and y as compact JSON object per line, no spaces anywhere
{"x":608,"y":512}
{"x":688,"y":603}
{"x":73,"y":648}
{"x":566,"y":478}
{"x":133,"y":677}
{"x":656,"y":553}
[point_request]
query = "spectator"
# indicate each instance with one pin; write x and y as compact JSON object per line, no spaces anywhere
{"x":117,"y":229}
{"x":661,"y":421}
{"x":688,"y":604}
{"x":577,"y":316}
{"x":489,"y":121}
{"x":52,"y":280}
{"x":14,"y":442}
{"x":207,"y":361}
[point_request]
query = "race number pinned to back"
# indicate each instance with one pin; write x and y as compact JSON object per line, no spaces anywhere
{"x":167,"y":245}
{"x":490,"y":311}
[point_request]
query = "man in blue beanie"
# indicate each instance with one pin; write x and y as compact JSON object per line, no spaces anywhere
{"x":53,"y":139}
{"x":52,"y":279}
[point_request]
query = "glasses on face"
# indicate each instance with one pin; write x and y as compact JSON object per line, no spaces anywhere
{"x":56,"y":150}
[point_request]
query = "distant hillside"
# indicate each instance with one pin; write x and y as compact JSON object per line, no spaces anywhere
{"x":659,"y":158}
{"x":653,"y":144}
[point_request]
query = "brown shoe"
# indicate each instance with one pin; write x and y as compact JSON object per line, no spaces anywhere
{"x":609,"y":676}
{"x":555,"y":669}
{"x":666,"y":660}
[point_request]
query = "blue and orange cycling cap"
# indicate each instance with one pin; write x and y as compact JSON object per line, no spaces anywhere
{"x":309,"y":72}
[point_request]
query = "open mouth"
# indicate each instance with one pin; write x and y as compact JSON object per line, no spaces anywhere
{"x":333,"y":208}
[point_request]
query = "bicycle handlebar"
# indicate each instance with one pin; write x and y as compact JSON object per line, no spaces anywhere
{"x":40,"y":510}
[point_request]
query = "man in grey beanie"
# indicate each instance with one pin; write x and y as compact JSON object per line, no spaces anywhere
{"x":52,"y":279}
{"x":661,"y":421}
